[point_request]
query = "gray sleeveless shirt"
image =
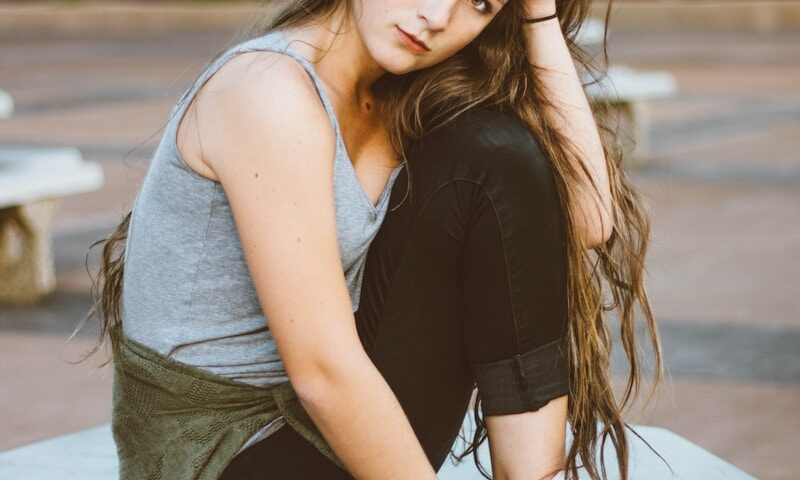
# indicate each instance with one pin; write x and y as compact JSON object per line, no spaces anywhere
{"x":187,"y":290}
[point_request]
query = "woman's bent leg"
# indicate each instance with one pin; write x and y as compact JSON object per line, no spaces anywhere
{"x":465,"y":282}
{"x":468,"y":282}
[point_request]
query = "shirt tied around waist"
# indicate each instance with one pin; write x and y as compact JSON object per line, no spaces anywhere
{"x":172,"y":420}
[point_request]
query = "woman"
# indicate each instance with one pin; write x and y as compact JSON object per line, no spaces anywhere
{"x":479,"y":274}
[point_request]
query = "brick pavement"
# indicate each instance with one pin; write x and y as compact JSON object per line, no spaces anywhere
{"x":724,"y":189}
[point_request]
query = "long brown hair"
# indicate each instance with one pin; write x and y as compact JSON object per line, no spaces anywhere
{"x":494,"y":71}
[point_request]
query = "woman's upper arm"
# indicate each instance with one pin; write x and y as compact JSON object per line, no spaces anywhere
{"x":272,"y":149}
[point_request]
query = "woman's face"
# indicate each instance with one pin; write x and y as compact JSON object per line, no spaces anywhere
{"x":445,"y":27}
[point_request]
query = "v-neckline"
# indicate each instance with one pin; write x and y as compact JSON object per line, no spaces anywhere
{"x":339,"y":138}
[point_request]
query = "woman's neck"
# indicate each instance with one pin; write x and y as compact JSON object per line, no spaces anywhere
{"x":342,"y":61}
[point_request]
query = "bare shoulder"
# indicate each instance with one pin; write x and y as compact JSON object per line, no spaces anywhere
{"x":272,"y":146}
{"x":254,"y":97}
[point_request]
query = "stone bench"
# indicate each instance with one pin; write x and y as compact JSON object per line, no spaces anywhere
{"x":91,"y":455}
{"x":628,"y":91}
{"x":32,"y":180}
{"x":6,"y":105}
{"x":591,"y":32}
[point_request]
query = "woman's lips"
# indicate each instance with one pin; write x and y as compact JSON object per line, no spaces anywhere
{"x":409,"y":41}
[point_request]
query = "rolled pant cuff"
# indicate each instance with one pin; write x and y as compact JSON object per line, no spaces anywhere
{"x":525,"y":382}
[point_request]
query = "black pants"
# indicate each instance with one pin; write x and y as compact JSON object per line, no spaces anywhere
{"x":464,"y":284}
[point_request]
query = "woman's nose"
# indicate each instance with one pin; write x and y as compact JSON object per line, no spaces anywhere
{"x":436,"y":13}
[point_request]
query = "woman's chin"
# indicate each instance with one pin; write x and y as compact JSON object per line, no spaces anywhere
{"x":401,"y":64}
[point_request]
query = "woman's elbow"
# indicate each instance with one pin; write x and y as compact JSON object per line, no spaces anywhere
{"x":598,"y":232}
{"x":606,"y":230}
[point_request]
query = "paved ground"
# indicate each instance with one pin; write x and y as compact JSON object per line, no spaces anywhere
{"x":723,"y":186}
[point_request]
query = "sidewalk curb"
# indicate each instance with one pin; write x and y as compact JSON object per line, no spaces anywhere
{"x":41,"y":18}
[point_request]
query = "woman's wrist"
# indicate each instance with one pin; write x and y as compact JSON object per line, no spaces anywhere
{"x":540,"y":19}
{"x":540,"y":9}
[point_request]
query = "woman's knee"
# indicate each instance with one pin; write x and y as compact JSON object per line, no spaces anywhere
{"x":504,"y":188}
{"x":492,"y":148}
{"x":497,"y":151}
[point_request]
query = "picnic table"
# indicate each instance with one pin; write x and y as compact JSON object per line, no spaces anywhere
{"x":91,"y":455}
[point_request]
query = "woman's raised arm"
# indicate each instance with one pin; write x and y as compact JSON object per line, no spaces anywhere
{"x":268,"y":139}
{"x":573,"y":117}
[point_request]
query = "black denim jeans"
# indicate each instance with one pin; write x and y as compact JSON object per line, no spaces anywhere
{"x":464,"y":284}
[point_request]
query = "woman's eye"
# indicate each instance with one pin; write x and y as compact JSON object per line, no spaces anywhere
{"x":482,"y":6}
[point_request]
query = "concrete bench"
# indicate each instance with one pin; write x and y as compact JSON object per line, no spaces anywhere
{"x":591,"y":32}
{"x":32,"y":180}
{"x":6,"y":105}
{"x":91,"y":455}
{"x":628,"y":91}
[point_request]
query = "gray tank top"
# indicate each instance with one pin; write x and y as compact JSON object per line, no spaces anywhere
{"x":187,"y":290}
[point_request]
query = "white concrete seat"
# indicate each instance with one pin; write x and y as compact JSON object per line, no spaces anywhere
{"x":687,"y":460}
{"x":6,"y":105}
{"x":32,"y":180}
{"x":29,"y":174}
{"x":625,"y":84}
{"x":91,"y":455}
{"x":628,"y":91}
{"x":591,"y":32}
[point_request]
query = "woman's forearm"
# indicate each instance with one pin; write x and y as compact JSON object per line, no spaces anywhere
{"x":365,"y":425}
{"x":572,"y":116}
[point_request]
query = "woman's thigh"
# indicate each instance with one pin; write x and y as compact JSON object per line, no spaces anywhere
{"x":464,"y":283}
{"x":284,"y":455}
